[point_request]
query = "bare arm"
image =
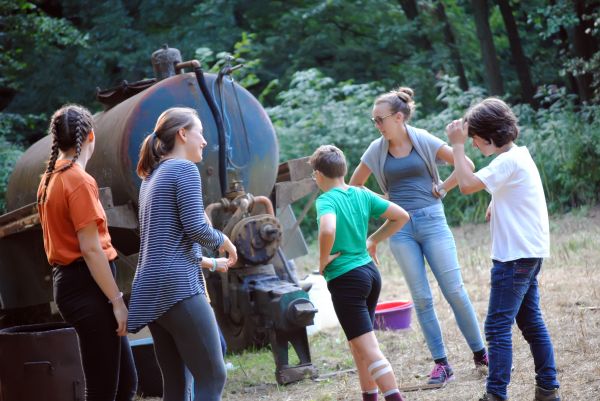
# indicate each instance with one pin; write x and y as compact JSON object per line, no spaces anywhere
{"x":327,"y":225}
{"x":95,"y":259}
{"x":222,"y":263}
{"x":396,"y":219}
{"x":446,"y":154}
{"x":467,"y":181}
{"x":360,"y":177}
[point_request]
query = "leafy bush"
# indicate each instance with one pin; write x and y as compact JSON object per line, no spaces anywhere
{"x":563,"y":138}
{"x":9,"y":154}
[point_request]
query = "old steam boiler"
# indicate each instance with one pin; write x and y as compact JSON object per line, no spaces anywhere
{"x":247,"y":195}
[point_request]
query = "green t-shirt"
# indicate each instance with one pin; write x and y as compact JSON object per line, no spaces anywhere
{"x":352,"y":208}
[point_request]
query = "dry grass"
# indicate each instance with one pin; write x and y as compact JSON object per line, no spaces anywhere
{"x":570,"y":293}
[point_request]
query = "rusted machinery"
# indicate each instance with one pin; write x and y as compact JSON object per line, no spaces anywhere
{"x":247,"y":194}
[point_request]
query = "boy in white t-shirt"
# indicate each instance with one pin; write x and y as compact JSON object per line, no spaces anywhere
{"x":520,"y":241}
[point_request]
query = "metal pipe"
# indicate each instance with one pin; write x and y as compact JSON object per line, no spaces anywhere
{"x":265,"y":201}
{"x":195,"y":64}
{"x":211,"y":208}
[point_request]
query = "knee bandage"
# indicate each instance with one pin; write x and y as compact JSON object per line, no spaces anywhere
{"x":379,"y":368}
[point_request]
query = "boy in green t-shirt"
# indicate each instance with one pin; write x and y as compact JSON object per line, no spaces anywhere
{"x":346,"y":260}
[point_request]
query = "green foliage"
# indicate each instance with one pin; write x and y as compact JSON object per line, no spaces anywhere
{"x":316,"y":110}
{"x":318,"y":65}
{"x":564,"y":139}
{"x":565,"y":143}
{"x":9,"y":154}
{"x":25,"y":27}
{"x":17,"y":128}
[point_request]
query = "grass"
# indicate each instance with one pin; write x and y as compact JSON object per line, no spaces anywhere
{"x":570,"y":293}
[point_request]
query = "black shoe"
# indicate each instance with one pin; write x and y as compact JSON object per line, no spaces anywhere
{"x":491,"y":397}
{"x":541,"y":394}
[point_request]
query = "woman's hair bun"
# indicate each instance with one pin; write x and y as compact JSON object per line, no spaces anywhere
{"x":405,"y":94}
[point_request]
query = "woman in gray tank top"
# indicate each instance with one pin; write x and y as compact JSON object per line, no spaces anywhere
{"x":403,"y":161}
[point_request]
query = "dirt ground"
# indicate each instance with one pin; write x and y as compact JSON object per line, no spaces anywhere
{"x":570,"y":294}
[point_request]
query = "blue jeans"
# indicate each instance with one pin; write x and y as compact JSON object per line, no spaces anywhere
{"x":427,"y":235}
{"x":514,"y":296}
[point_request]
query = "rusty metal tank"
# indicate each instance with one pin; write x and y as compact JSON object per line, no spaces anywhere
{"x":258,"y":302}
{"x":120,"y":130}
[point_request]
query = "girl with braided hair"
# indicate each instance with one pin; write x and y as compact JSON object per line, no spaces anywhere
{"x":404,"y":163}
{"x":78,"y":247}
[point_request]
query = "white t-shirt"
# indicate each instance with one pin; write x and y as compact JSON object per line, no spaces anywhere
{"x":519,"y":220}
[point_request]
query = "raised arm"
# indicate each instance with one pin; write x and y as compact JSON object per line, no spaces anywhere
{"x":192,"y":215}
{"x":446,"y":154}
{"x":467,"y":181}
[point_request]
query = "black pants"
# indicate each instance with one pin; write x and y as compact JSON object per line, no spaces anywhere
{"x":107,"y":360}
{"x":354,"y":296}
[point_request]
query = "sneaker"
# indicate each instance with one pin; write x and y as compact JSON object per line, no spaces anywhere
{"x":490,"y":397}
{"x":541,"y":394}
{"x":481,"y":361}
{"x":441,"y":374}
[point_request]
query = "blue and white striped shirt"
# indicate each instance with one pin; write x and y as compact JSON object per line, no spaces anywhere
{"x":172,"y":228}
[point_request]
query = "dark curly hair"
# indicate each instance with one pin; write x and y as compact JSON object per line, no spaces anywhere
{"x":492,"y":120}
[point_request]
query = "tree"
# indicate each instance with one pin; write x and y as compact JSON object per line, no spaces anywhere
{"x":493,"y":77}
{"x":459,"y":68}
{"x":521,"y":64}
{"x":583,"y":47}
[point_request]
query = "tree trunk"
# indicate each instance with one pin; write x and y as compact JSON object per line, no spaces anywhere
{"x":440,"y":12}
{"x":518,"y":56}
{"x":583,"y":46}
{"x":493,"y":77}
{"x":412,"y":13}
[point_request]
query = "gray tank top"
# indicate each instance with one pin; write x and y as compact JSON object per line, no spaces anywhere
{"x":409,"y":181}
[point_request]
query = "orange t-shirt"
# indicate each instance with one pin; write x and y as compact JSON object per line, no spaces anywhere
{"x":72,"y":202}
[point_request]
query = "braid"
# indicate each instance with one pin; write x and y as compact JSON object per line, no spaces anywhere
{"x":51,"y":161}
{"x":62,"y":139}
{"x":79,"y":136}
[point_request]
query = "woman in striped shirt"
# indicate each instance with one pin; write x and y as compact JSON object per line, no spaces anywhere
{"x":168,"y":293}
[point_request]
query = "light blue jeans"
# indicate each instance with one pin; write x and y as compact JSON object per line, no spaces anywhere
{"x":428,"y":236}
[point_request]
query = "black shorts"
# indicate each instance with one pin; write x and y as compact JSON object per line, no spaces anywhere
{"x":354,"y":295}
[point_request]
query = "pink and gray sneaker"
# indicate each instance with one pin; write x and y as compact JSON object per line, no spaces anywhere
{"x":441,"y":374}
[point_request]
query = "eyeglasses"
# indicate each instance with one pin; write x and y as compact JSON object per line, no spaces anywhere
{"x":379,"y":120}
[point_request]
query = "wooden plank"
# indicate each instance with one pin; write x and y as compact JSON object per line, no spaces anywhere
{"x":18,"y":214}
{"x":19,"y":225}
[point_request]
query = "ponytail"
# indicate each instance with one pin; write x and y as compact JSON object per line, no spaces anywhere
{"x":162,"y":141}
{"x":149,"y":157}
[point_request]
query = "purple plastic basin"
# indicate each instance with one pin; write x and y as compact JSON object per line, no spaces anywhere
{"x":393,"y":315}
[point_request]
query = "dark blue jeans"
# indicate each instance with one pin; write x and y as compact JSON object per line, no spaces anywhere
{"x":514,"y":296}
{"x":107,"y":360}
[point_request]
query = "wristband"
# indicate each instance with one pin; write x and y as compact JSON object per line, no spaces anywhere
{"x":119,"y":296}
{"x":214,"y":265}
